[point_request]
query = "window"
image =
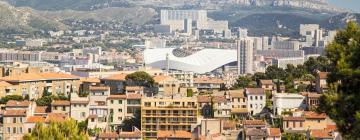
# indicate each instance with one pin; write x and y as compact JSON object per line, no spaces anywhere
{"x":119,"y":118}
{"x":111,"y":111}
{"x":9,"y":130}
{"x":238,"y":99}
{"x":21,"y":119}
{"x":256,"y":97}
{"x":63,"y":108}
{"x":147,"y":104}
{"x":119,"y":110}
{"x":301,"y":124}
{"x":112,"y":101}
{"x":83,"y":114}
{"x":120,"y":101}
{"x":92,"y":120}
{"x":250,"y":97}
{"x":261,"y":97}
{"x":14,"y":129}
{"x":287,"y":124}
{"x":29,"y":130}
{"x":294,"y":124}
{"x":318,"y":121}
{"x":14,"y":120}
{"x":250,"y":105}
{"x":20,"y":130}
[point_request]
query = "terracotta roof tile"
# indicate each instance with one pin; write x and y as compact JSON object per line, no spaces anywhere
{"x":41,"y":109}
{"x":4,"y":84}
{"x":134,"y":96}
{"x":60,"y":103}
{"x":116,"y":77}
{"x":321,"y":134}
{"x":294,"y":119}
{"x":13,"y":103}
{"x":174,"y":134}
{"x":120,"y":96}
{"x":256,"y":132}
{"x":266,"y":82}
{"x":108,"y":135}
{"x":17,"y":112}
{"x":135,"y":134}
{"x":237,"y":93}
{"x":35,"y":119}
{"x":219,"y":99}
{"x":255,"y":91}
{"x":314,"y":115}
{"x":160,"y":78}
{"x":57,"y":117}
{"x":253,"y":122}
{"x":229,"y":124}
{"x":331,"y":128}
{"x":90,"y":80}
{"x":204,"y":99}
{"x":274,"y":132}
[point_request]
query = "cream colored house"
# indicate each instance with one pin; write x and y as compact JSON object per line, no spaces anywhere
{"x":117,"y":109}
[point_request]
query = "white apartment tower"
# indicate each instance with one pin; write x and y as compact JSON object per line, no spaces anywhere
{"x":245,"y":55}
{"x":188,"y":26}
{"x":175,"y":18}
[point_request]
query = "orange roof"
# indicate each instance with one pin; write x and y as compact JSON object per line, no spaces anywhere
{"x":160,"y":78}
{"x":14,"y":112}
{"x":132,"y":88}
{"x":174,"y":134}
{"x":294,"y":119}
{"x":116,"y":77}
{"x":204,"y":99}
{"x":120,"y":96}
{"x":41,"y":109}
{"x":98,"y":88}
{"x":219,"y":99}
{"x":331,"y":128}
{"x":229,"y":124}
{"x":314,"y":115}
{"x":208,"y":80}
{"x":134,"y":96}
{"x":311,"y":94}
{"x":239,"y":110}
{"x":4,"y":84}
{"x":253,"y":122}
{"x":35,"y":119}
{"x":237,"y":93}
{"x":58,"y":117}
{"x":323,"y":75}
{"x":38,"y":77}
{"x":255,"y":91}
{"x":60,"y":103}
{"x":266,"y":82}
{"x":108,"y":135}
{"x":274,"y":132}
{"x":89,"y":80}
{"x":135,"y":134}
{"x":321,"y":134}
{"x":13,"y":103}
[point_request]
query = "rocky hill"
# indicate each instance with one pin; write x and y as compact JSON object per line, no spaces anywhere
{"x":25,"y":20}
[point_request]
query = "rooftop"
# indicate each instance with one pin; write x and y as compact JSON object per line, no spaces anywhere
{"x":60,"y":103}
{"x":255,"y":91}
{"x":116,"y":77}
{"x":38,"y":77}
{"x":120,"y":96}
{"x":13,"y":112}
{"x":321,"y":134}
{"x":323,"y":75}
{"x":13,"y":103}
{"x":266,"y":82}
{"x":174,"y":134}
{"x":274,"y":132}
{"x":208,"y":80}
{"x":314,"y":115}
{"x":253,"y":122}
{"x":98,"y":88}
{"x":35,"y":119}
{"x":108,"y":135}
{"x":134,"y":96}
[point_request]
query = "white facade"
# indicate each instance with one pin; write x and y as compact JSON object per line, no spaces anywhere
{"x":287,"y":102}
{"x":283,"y":62}
{"x":255,"y":102}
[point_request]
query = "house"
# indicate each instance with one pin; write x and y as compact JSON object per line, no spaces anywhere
{"x":253,"y":133}
{"x":268,"y":85}
{"x":116,"y":83}
{"x":312,"y":100}
{"x":60,"y":106}
{"x":167,"y":85}
{"x":117,"y":110}
{"x":207,"y":84}
{"x":238,"y":104}
{"x":285,"y":102}
{"x":79,"y":107}
{"x":222,"y":107}
{"x":256,"y":100}
{"x":321,"y":83}
{"x":293,"y":124}
{"x":108,"y":136}
{"x":98,"y":109}
{"x":258,"y":124}
{"x":274,"y":134}
{"x":133,"y":135}
{"x":315,"y":120}
{"x":134,"y":90}
{"x":133,"y":104}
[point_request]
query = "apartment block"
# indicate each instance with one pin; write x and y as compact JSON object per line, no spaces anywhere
{"x":168,"y":114}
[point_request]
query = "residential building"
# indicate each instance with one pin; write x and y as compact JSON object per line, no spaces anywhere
{"x":60,"y":106}
{"x":167,"y":114}
{"x":117,"y":110}
{"x":238,"y":104}
{"x":312,"y":100}
{"x":98,"y":109}
{"x":133,"y":104}
{"x":186,"y":79}
{"x":35,"y":84}
{"x":256,"y":100}
{"x":79,"y":107}
{"x":293,"y":124}
{"x":134,"y":90}
{"x":174,"y":135}
{"x":268,"y":85}
{"x":222,"y":106}
{"x":245,"y":56}
{"x":321,"y":84}
{"x":208,"y":84}
{"x":167,"y":85}
{"x":274,"y":134}
{"x":115,"y":82}
{"x":287,"y":102}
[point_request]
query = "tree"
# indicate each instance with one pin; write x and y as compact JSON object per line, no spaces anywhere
{"x":57,"y":130}
{"x":242,"y":82}
{"x":128,"y":123}
{"x":293,"y":136}
{"x":341,"y":103}
{"x":140,"y":78}
{"x":258,"y":76}
{"x":189,"y":92}
{"x":7,"y":98}
{"x":274,"y":72}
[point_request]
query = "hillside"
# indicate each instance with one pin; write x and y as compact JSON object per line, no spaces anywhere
{"x":24,"y":20}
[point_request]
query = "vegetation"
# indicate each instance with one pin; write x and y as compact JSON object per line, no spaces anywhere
{"x":341,"y":103}
{"x":242,"y":82}
{"x":65,"y":130}
{"x":189,"y":92}
{"x":140,"y":78}
{"x":294,"y":136}
{"x":7,"y":98}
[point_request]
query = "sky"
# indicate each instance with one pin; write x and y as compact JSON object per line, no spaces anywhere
{"x":348,"y":4}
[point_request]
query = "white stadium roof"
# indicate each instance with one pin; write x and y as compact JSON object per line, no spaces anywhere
{"x":205,"y":60}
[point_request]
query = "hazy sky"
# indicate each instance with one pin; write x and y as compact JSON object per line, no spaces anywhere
{"x":349,"y":4}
